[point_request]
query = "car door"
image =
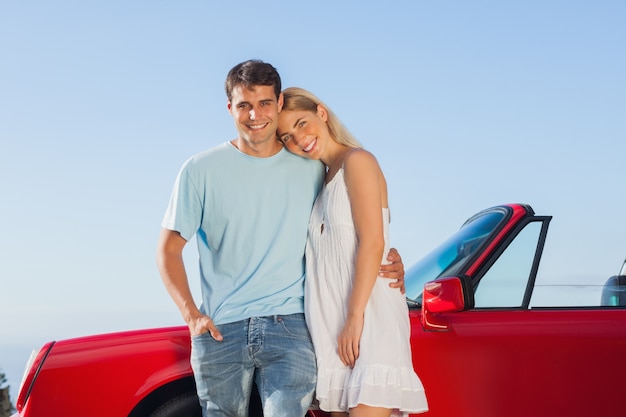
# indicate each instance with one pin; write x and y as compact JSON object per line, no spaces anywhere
{"x":501,"y":358}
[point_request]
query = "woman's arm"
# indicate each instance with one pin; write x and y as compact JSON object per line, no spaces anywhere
{"x":367,"y":193}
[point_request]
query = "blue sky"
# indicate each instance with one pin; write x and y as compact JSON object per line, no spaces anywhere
{"x":466,"y":105}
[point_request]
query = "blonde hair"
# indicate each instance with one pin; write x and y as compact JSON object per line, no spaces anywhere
{"x":296,"y":98}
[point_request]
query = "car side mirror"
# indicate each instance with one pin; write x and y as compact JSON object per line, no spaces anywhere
{"x":445,"y":295}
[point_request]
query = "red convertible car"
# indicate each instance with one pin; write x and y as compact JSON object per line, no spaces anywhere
{"x":480,"y":346}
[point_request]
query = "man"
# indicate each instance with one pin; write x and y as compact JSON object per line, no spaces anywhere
{"x":248,"y":201}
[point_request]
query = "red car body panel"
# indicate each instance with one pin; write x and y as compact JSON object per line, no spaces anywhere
{"x":109,"y":375}
{"x":523,"y":363}
{"x":476,"y":362}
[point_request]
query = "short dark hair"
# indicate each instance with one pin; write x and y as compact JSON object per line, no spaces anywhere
{"x":252,"y":73}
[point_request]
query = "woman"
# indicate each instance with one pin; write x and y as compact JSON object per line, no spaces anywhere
{"x":359,"y":326}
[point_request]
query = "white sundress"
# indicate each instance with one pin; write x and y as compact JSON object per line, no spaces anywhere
{"x":383,"y":375}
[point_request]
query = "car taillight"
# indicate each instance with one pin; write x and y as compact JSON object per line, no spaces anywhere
{"x":30,"y":374}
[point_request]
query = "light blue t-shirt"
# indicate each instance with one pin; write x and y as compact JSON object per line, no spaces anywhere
{"x":250,"y":217}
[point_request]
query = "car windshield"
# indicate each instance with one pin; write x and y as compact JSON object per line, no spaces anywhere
{"x":449,"y":257}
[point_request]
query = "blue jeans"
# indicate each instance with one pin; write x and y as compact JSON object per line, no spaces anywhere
{"x":276,"y":352}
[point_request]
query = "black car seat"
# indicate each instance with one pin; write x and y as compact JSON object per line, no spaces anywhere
{"x":614,"y":291}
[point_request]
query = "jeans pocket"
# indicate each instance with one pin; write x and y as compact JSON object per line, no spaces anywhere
{"x":294,"y":325}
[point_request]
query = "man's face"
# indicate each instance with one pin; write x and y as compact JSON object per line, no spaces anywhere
{"x":255,"y":112}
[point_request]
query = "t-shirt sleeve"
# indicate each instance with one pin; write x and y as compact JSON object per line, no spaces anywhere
{"x":184,"y":211}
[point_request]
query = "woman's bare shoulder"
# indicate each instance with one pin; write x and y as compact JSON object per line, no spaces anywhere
{"x":358,"y":157}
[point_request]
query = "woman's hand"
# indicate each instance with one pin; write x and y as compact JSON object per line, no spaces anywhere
{"x":349,"y":339}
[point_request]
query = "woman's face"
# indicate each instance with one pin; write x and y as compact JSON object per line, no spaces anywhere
{"x":304,"y":133}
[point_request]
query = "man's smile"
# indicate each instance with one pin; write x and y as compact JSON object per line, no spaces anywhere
{"x":257,"y":126}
